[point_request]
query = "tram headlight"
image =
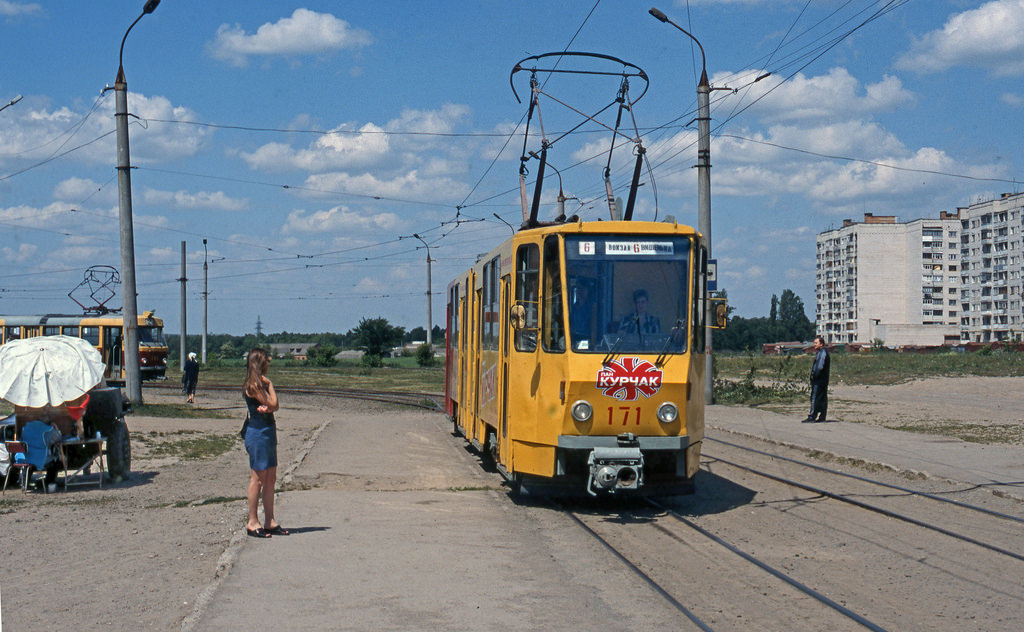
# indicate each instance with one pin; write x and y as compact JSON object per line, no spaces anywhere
{"x":582,"y":411}
{"x":668,"y":413}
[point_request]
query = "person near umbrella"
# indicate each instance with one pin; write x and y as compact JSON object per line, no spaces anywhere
{"x":190,"y":377}
{"x":261,"y":444}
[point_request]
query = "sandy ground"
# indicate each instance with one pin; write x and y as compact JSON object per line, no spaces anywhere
{"x":136,"y":555}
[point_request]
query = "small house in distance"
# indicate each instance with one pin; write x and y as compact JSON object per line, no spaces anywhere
{"x":295,"y":350}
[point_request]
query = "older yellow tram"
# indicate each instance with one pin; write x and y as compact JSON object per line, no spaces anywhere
{"x":103,"y":332}
{"x":576,"y":356}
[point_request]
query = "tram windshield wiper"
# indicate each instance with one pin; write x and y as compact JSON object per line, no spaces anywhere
{"x":614,"y":349}
{"x":662,"y":358}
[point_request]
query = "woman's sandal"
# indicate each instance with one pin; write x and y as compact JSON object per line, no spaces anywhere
{"x":257,"y":533}
{"x":278,"y":530}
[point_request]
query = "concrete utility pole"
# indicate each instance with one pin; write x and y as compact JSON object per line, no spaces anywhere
{"x":132,"y":374}
{"x":206,"y":293}
{"x":184,"y":310}
{"x":703,"y":188}
{"x":430,"y":300}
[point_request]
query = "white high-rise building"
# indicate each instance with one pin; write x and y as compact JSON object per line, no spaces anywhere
{"x":990,"y":273}
{"x":883,"y":280}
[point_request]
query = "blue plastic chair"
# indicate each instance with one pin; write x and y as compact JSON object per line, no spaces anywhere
{"x":40,"y":439}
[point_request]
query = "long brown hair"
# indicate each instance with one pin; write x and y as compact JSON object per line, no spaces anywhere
{"x":256,"y":365}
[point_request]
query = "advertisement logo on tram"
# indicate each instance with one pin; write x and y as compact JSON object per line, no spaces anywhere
{"x":627,"y":379}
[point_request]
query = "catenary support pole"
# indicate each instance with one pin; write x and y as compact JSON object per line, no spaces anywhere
{"x":206,"y":293}
{"x":130,"y":336}
{"x":184,"y":310}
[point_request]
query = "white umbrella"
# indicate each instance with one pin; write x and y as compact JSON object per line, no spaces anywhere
{"x":48,"y":370}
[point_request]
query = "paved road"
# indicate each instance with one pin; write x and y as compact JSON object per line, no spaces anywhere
{"x":404,"y":530}
{"x":407,"y":532}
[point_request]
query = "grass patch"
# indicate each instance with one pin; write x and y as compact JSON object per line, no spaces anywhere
{"x":995,"y":433}
{"x":179,"y":411}
{"x":195,"y":448}
{"x":874,"y":368}
{"x":398,"y":374}
{"x":8,"y":505}
{"x":215,"y":500}
{"x":771,"y":383}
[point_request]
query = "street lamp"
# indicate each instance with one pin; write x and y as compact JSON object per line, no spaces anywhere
{"x":703,"y":183}
{"x":430,"y":317}
{"x":13,"y":101}
{"x":130,"y":337}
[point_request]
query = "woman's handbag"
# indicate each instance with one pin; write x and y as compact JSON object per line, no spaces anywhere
{"x":245,"y":424}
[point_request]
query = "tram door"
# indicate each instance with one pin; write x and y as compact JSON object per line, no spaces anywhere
{"x":506,"y":335}
{"x":113,"y":355}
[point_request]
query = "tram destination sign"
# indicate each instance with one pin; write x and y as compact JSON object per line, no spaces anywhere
{"x":649,"y":248}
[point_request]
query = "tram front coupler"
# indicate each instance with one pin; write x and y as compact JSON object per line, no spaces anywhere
{"x":615,"y":470}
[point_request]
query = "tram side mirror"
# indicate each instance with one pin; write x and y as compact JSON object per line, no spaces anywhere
{"x":720,"y":313}
{"x":517,"y":316}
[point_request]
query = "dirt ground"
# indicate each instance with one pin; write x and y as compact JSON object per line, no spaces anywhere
{"x":136,"y":555}
{"x":982,"y":409}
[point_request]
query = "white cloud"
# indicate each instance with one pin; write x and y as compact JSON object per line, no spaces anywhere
{"x":76,"y":189}
{"x":1012,"y":99}
{"x":211,"y":200}
{"x":11,"y":9}
{"x":23,"y":254}
{"x":372,"y":145}
{"x":37,"y":133}
{"x":339,"y":218}
{"x":835,"y":95}
{"x":304,"y":33}
{"x":339,"y":150}
{"x":406,"y":186}
{"x":991,"y":36}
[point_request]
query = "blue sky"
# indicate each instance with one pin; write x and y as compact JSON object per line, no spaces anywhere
{"x":308,"y":141}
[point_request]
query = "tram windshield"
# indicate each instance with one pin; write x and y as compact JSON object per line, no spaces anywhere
{"x":627,"y":293}
{"x":151,"y":336}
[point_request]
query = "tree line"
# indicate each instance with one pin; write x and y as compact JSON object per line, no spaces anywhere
{"x":375,"y":336}
{"x":786,"y":321}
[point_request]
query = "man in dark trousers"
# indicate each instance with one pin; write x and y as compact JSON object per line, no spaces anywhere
{"x":819,"y":382}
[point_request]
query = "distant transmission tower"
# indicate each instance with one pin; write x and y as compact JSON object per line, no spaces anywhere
{"x":259,"y":326}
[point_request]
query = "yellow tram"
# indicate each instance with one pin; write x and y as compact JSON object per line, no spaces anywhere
{"x":104,"y":332}
{"x":576,"y":356}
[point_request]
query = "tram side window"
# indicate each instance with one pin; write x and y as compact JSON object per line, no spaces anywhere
{"x":51,"y":330}
{"x":12,"y":333}
{"x":69,"y":331}
{"x":92,"y":334}
{"x":489,"y":306}
{"x":554,"y":321}
{"x":700,"y":307}
{"x":527,"y":291}
{"x":453,"y":315}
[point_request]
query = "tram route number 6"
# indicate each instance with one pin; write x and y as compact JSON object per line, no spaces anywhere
{"x":625,"y":412}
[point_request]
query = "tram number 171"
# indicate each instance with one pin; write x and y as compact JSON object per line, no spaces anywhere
{"x":624,"y":411}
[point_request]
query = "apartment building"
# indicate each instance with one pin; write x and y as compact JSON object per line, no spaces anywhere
{"x":990,"y":274}
{"x":898,"y":282}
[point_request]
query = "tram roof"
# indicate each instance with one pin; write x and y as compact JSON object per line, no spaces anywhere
{"x":73,"y":319}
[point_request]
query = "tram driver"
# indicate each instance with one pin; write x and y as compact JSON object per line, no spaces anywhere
{"x":640,"y":322}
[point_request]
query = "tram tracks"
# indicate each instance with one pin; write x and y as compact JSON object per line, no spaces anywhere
{"x":658,"y":545}
{"x":845,"y":551}
{"x":426,"y":401}
{"x":904,"y":493}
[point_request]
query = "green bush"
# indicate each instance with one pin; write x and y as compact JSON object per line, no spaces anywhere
{"x":425,"y":355}
{"x":371,"y":360}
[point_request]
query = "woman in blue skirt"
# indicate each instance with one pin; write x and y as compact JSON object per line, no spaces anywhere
{"x":261,"y":444}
